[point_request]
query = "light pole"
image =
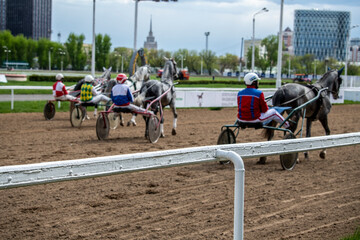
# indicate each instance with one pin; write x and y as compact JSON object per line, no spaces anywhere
{"x":182,"y":61}
{"x":253,"y":39}
{"x":279,"y":57}
{"x":117,"y":62}
{"x":93,"y":44}
{"x":136,"y":14}
{"x":50,"y":49}
{"x":7,"y":55}
{"x":62,"y":53}
{"x":347,"y":50}
{"x":241,"y":53}
{"x":315,"y":62}
{"x":206,"y":44}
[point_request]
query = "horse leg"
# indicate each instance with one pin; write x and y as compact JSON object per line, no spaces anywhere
{"x":95,"y":111}
{"x":308,"y":134}
{"x":175,"y":121}
{"x":161,"y":123}
{"x":324,"y":123}
{"x":121,"y":119}
{"x":132,"y":120}
{"x":269,"y":134}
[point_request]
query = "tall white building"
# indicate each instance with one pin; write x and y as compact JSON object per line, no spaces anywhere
{"x":150,"y":40}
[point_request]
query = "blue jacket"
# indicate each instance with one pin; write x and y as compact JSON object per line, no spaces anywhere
{"x":121,"y":95}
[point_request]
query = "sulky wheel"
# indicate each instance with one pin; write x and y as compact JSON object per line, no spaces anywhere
{"x":153,"y":128}
{"x":288,"y":161}
{"x":227,"y":136}
{"x":49,"y":111}
{"x":114,"y":120}
{"x":102,"y":127}
{"x":76,"y":116}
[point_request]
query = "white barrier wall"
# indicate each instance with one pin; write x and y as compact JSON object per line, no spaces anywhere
{"x":224,"y":97}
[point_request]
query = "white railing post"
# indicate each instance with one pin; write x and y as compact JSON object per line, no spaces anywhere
{"x":12,"y":99}
{"x":239,"y":191}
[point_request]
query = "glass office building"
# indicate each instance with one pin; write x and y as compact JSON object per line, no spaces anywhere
{"x":321,"y":33}
{"x":32,"y":18}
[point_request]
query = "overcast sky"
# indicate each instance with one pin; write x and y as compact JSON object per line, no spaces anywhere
{"x":182,"y":24}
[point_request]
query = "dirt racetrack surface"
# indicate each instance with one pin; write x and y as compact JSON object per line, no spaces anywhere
{"x":318,"y":199}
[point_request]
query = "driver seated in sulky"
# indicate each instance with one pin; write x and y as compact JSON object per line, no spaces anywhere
{"x":122,"y":96}
{"x":59,"y":89}
{"x":252,"y":106}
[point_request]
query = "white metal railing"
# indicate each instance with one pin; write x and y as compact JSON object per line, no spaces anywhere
{"x":40,"y":173}
{"x":12,"y":88}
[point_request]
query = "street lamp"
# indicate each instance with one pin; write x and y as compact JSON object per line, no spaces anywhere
{"x":93,"y":44}
{"x":348,"y":49}
{"x":280,"y":45}
{"x":253,"y":39}
{"x":50,"y":49}
{"x":62,"y":53}
{"x":136,"y":14}
{"x":182,"y":61}
{"x":315,"y":62}
{"x":7,"y":55}
{"x":207,"y":36}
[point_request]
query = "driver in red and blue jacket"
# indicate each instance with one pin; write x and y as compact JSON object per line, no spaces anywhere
{"x":252,"y":106}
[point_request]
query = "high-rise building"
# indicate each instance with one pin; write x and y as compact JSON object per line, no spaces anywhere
{"x":321,"y":33}
{"x":150,"y":40}
{"x":32,"y":18}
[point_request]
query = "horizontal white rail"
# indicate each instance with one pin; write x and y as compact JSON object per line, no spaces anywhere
{"x":39,"y":173}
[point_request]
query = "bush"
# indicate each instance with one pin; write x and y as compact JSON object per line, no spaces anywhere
{"x":50,"y":78}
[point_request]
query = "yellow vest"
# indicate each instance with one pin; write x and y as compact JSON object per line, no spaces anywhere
{"x":86,"y":92}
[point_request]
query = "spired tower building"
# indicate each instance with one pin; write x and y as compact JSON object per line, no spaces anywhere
{"x":150,"y":40}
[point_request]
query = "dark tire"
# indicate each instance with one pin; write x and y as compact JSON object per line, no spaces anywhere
{"x":288,"y":161}
{"x":76,"y":116}
{"x":49,"y":110}
{"x":102,"y":127}
{"x":227,"y":136}
{"x":154,"y":129}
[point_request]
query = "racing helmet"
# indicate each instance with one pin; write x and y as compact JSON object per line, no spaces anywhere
{"x":121,"y":78}
{"x":59,"y":77}
{"x":250,"y":78}
{"x":89,"y":78}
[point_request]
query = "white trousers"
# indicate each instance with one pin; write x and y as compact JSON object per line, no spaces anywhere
{"x":98,"y":98}
{"x":270,"y":115}
{"x":65,"y":97}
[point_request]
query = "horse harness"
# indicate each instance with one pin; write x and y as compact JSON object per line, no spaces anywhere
{"x":315,"y":88}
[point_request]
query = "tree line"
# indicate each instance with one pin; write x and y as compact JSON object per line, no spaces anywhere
{"x":75,"y":55}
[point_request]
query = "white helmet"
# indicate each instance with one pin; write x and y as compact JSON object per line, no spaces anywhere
{"x":250,"y":78}
{"x":59,"y":77}
{"x":89,"y":78}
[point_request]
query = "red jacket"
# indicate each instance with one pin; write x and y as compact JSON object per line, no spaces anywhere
{"x":251,"y":103}
{"x":59,"y":89}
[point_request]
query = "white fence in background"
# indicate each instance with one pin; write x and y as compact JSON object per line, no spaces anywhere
{"x":200,"y":97}
{"x":41,"y":173}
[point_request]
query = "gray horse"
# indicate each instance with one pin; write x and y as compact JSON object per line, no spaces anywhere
{"x":153,"y":89}
{"x":294,"y":95}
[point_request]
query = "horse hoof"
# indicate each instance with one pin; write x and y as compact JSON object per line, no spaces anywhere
{"x":298,"y":160}
{"x":134,"y":124}
{"x":261,"y":161}
{"x":122,"y":124}
{"x":162,"y":135}
{"x":322,"y":155}
{"x":173,"y":132}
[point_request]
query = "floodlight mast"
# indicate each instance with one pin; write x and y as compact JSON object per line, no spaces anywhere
{"x":253,"y":39}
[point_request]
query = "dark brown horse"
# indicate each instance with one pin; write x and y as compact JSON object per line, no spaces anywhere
{"x":294,"y":95}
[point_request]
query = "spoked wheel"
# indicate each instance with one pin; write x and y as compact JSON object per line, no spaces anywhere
{"x":288,"y":161}
{"x":76,"y":116}
{"x":153,"y":128}
{"x":102,"y":126}
{"x":72,"y":106}
{"x":114,"y":120}
{"x":49,"y":111}
{"x":227,"y":136}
